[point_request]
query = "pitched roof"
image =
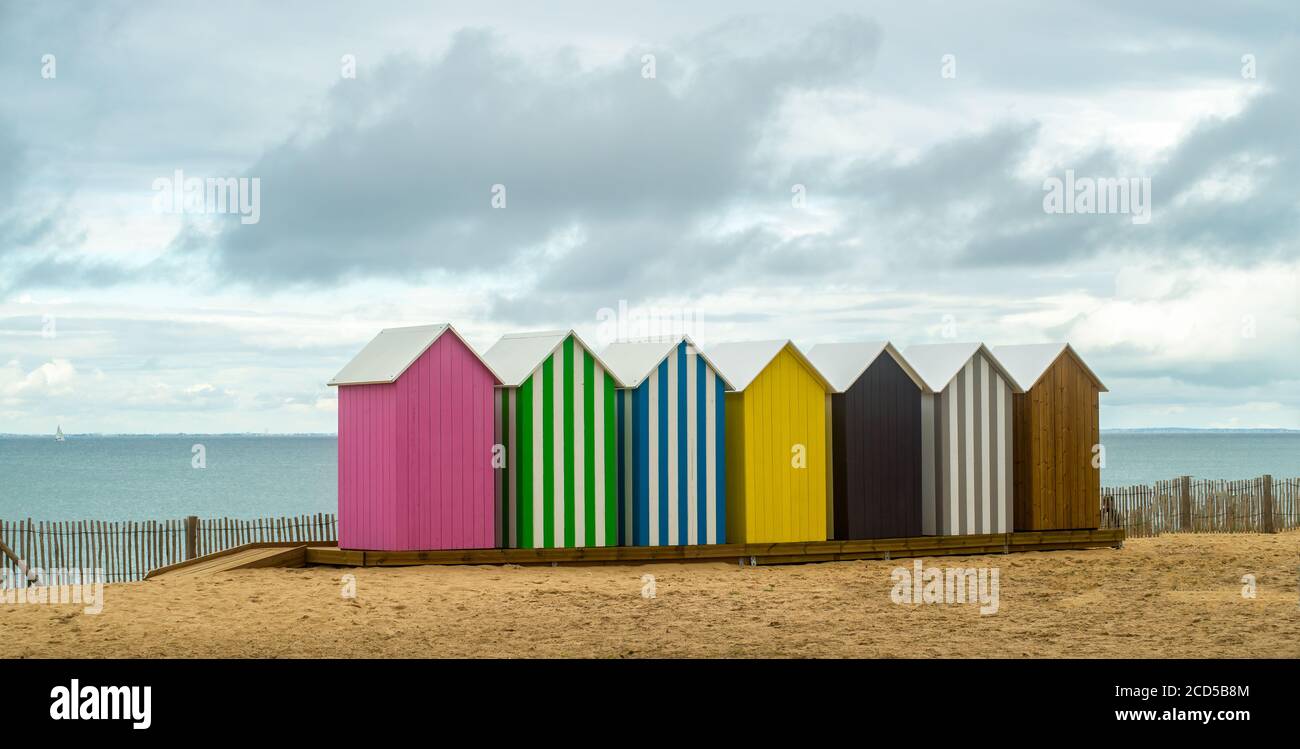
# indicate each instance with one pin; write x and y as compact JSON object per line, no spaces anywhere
{"x":843,"y":363}
{"x":741,"y":362}
{"x":517,"y":355}
{"x":938,"y":363}
{"x":392,"y":352}
{"x":1028,"y":362}
{"x":633,"y":361}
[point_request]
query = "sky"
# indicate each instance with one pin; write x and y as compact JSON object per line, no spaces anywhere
{"x":749,"y":170}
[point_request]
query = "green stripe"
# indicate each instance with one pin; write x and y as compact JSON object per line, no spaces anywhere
{"x":569,"y":404}
{"x":548,"y":452}
{"x":589,"y":448}
{"x":524,"y":470}
{"x":611,"y":465}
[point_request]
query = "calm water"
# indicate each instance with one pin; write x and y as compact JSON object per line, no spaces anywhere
{"x":150,"y":478}
{"x":1144,"y":457}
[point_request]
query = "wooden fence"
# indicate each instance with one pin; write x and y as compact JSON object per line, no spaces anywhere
{"x":1187,"y":505}
{"x":126,"y":550}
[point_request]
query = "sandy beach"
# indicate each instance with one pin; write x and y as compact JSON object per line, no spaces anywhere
{"x":1173,"y":596}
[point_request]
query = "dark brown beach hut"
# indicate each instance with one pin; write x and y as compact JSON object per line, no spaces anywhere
{"x":1056,"y":434}
{"x":875,"y":422}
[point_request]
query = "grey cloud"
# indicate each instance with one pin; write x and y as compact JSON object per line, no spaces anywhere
{"x":601,"y":149}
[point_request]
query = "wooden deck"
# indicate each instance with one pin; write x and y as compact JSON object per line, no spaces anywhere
{"x":782,"y":553}
{"x":297,"y":554}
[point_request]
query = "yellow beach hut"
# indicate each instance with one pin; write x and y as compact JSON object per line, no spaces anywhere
{"x":776,"y":442}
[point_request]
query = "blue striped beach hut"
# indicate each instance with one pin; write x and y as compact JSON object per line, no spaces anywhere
{"x":671,"y":446}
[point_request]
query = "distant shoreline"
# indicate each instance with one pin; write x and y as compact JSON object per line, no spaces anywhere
{"x":6,"y":435}
{"x":1125,"y":430}
{"x":1194,"y":430}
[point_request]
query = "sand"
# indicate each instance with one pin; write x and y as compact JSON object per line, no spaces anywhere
{"x":1174,"y":596}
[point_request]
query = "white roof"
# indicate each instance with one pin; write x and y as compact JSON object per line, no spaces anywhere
{"x":391,"y":353}
{"x":1028,"y":362}
{"x":740,"y":363}
{"x":843,"y":363}
{"x":633,"y":361}
{"x":517,"y":355}
{"x":938,"y":363}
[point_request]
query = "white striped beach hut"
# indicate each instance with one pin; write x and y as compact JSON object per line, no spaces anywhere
{"x":966,"y":439}
{"x":555,"y":425}
{"x":671,"y":446}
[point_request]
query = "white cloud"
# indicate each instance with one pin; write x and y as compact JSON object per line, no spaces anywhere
{"x":51,"y":379}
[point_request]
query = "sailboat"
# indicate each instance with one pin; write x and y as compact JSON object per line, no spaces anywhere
{"x":58,"y":434}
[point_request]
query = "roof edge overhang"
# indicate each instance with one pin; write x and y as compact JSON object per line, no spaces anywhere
{"x":564,"y":335}
{"x":333,"y":382}
{"x":683,"y":338}
{"x":1068,"y":350}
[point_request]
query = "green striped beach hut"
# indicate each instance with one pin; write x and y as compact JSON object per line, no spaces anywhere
{"x":556,"y":427}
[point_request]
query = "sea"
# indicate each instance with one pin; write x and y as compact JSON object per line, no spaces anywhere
{"x":94,"y":477}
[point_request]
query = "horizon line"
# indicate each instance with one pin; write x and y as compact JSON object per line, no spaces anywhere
{"x":335,"y":433}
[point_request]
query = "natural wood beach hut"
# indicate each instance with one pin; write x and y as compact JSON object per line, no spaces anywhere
{"x":1057,"y":435}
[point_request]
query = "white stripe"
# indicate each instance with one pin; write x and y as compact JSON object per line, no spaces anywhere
{"x":1002,"y":455}
{"x":579,"y":450}
{"x":539,"y":475}
{"x":629,"y":462}
{"x":711,"y":455}
{"x":510,"y":468}
{"x":986,"y":472}
{"x":950,"y":491}
{"x":674,"y":515}
{"x":557,"y":455}
{"x":970,"y":447}
{"x":692,"y":451}
{"x":598,"y":454}
{"x":652,"y":449}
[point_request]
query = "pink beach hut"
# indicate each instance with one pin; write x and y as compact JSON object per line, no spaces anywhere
{"x":415,"y":444}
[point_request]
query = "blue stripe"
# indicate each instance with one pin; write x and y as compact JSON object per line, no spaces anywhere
{"x":720,"y":475}
{"x":663,"y":452}
{"x":702,"y":451}
{"x":638,"y":411}
{"x":683,"y":456}
{"x":640,"y":460}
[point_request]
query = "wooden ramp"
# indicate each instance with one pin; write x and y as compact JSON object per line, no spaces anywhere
{"x":244,"y":557}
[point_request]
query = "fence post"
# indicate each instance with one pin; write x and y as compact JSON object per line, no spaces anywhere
{"x":191,"y":535}
{"x":1185,"y":503}
{"x":1266,"y":505}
